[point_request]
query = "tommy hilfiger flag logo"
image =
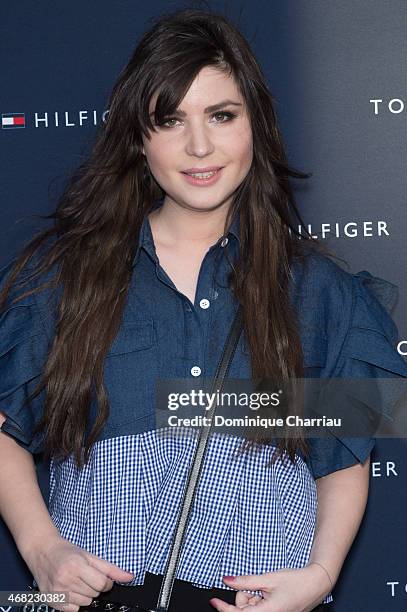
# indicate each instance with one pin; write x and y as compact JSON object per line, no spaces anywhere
{"x":12,"y":120}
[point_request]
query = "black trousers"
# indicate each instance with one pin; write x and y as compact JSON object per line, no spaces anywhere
{"x":184,"y":598}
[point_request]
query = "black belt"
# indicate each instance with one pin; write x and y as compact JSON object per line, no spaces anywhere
{"x":185,"y":597}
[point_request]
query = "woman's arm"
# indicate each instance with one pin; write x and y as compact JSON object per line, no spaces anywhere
{"x":56,"y":563}
{"x":21,"y":503}
{"x":342,"y":497}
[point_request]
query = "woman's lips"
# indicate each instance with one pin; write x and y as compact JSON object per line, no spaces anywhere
{"x":202,"y":182}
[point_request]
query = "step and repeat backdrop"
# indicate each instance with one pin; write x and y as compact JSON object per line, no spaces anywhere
{"x":337,"y":73}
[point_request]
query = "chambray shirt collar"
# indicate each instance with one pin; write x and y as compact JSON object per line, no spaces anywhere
{"x":146,"y":240}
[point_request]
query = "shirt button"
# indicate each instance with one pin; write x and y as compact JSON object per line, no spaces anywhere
{"x":224,"y":242}
{"x":204,"y":303}
{"x":195,"y":370}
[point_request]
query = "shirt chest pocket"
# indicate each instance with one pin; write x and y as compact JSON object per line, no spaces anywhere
{"x":133,"y":336}
{"x":130,"y":375}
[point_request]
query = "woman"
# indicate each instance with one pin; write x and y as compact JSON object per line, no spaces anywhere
{"x":183,"y":211}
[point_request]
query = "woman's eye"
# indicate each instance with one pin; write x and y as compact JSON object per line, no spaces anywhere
{"x":166,"y":122}
{"x":226,"y":114}
{"x":223,"y":114}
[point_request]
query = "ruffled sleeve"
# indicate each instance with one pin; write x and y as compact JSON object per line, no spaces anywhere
{"x":368,"y":351}
{"x":24,"y":346}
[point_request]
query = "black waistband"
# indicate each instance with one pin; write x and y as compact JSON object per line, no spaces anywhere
{"x":184,"y":598}
{"x":184,"y":595}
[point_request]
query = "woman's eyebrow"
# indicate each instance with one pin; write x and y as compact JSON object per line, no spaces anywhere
{"x":208,"y":109}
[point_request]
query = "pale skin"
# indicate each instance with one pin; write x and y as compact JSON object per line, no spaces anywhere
{"x":189,"y":222}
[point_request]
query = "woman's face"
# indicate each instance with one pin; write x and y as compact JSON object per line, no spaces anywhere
{"x":195,"y":138}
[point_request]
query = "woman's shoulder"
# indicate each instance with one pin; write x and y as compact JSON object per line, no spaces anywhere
{"x":320,"y":281}
{"x":31,"y":300}
{"x":316,"y":274}
{"x":322,"y":293}
{"x":348,"y":313}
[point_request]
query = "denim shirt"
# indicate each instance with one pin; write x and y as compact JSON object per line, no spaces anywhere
{"x":345,"y":327}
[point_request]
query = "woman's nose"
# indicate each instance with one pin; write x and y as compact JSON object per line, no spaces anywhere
{"x":198,"y":141}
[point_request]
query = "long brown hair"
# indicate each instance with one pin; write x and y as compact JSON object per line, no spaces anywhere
{"x":96,"y":224}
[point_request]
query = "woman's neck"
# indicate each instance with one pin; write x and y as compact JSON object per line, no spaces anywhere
{"x":174,"y":225}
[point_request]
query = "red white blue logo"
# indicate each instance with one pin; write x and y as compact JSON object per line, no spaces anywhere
{"x":11,"y":121}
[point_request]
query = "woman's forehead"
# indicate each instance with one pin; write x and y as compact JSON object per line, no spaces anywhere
{"x":207,"y":90}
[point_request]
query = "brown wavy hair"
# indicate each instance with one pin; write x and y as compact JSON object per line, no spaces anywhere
{"x":92,"y":241}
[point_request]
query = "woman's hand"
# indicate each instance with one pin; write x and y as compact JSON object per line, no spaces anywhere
{"x":60,"y":565}
{"x":287,"y":590}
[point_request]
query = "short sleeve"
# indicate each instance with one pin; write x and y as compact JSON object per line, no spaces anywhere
{"x":24,"y":347}
{"x":368,"y":351}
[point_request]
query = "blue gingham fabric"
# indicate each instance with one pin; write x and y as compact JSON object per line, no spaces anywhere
{"x":247,"y":517}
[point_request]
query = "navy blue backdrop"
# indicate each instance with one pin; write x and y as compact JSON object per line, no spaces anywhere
{"x":337,"y":72}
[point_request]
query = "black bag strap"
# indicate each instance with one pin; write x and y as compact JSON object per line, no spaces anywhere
{"x":195,"y":469}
